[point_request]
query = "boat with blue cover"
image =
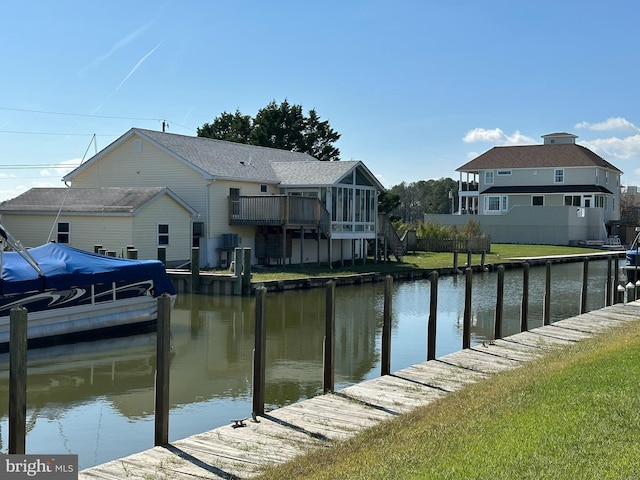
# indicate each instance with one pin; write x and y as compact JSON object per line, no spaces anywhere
{"x":70,"y":293}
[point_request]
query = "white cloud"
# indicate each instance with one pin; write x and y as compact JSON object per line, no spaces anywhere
{"x":497,"y":137}
{"x":45,"y":173}
{"x":613,"y":123}
{"x":66,"y":166}
{"x":612,"y":148}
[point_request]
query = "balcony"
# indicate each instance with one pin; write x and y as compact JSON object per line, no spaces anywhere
{"x":278,"y":210}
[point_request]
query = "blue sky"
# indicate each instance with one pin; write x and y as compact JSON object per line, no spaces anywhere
{"x":415,"y":88}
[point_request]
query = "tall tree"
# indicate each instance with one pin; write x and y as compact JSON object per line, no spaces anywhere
{"x":230,"y":127}
{"x":320,"y":137}
{"x":281,"y":126}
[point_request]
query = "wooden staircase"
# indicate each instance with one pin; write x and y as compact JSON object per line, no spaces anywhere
{"x":389,"y":242}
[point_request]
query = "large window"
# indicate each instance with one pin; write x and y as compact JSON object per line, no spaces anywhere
{"x":558,"y":175}
{"x":353,"y":207}
{"x":572,"y":200}
{"x":537,"y":200}
{"x":496,"y":203}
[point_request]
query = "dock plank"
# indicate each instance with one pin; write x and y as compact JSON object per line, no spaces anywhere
{"x":286,"y":432}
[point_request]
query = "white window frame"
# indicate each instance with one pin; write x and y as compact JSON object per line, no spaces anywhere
{"x":503,"y":173}
{"x":66,"y":233}
{"x":503,"y":203}
{"x":558,"y":175}
{"x":488,"y":177}
{"x":161,"y":235}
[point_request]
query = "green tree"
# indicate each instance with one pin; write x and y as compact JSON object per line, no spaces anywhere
{"x":230,"y":127}
{"x":320,"y":137}
{"x":388,"y":202}
{"x":282,"y":126}
{"x":279,"y":126}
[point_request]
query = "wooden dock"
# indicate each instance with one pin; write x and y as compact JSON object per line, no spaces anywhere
{"x":234,"y":451}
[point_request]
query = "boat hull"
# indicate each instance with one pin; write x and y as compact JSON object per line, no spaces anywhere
{"x":49,"y":326}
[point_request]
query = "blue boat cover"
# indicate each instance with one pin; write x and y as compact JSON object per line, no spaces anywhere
{"x":65,"y":267}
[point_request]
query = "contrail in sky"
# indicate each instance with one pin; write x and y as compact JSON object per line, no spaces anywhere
{"x":119,"y":44}
{"x":137,"y":65}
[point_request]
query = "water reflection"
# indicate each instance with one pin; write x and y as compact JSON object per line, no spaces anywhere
{"x":87,"y":397}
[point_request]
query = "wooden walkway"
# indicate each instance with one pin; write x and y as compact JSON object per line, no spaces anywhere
{"x":277,"y":437}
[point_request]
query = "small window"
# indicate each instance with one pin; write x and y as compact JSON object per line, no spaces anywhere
{"x":558,"y":176}
{"x":137,"y":145}
{"x":163,"y":234}
{"x":537,"y":200}
{"x":488,"y":177}
{"x":503,"y":173}
{"x":63,"y":232}
{"x":263,"y":189}
{"x":553,"y":140}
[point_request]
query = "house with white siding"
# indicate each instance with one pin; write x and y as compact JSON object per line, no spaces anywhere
{"x":557,"y":192}
{"x":119,"y":221}
{"x":286,"y":206}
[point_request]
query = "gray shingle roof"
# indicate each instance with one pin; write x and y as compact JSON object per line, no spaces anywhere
{"x":226,"y":159}
{"x":536,"y":156}
{"x":312,"y":173}
{"x":82,"y":200}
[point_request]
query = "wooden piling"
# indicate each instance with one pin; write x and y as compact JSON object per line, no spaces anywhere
{"x":195,"y":270}
{"x":163,"y":349}
{"x":17,"y":380}
{"x":609,"y":289}
{"x":385,"y":362}
{"x":469,"y":258}
{"x":237,"y":270}
{"x":497,"y":328}
{"x":433,"y":314}
{"x":455,"y":263}
{"x":259,"y":356}
{"x":524,"y":308}
{"x":620,"y":294}
{"x":328,"y":383}
{"x":546,"y":315}
{"x":246,"y":271}
{"x":585,"y":283}
{"x":466,"y":325}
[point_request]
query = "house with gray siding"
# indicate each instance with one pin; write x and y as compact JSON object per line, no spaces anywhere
{"x":557,"y":192}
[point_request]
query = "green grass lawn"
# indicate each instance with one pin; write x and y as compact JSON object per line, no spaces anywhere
{"x":500,"y":253}
{"x":572,"y":415}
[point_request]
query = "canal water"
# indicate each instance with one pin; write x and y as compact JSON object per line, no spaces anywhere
{"x":96,"y":399}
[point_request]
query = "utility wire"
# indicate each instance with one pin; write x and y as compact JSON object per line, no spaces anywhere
{"x":87,"y":115}
{"x":45,"y":112}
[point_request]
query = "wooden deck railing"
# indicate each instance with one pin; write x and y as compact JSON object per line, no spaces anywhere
{"x":278,"y":210}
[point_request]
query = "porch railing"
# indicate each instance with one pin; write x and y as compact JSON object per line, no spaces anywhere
{"x":278,"y":210}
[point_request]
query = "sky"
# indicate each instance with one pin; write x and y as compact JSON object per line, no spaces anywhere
{"x":416,"y":88}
